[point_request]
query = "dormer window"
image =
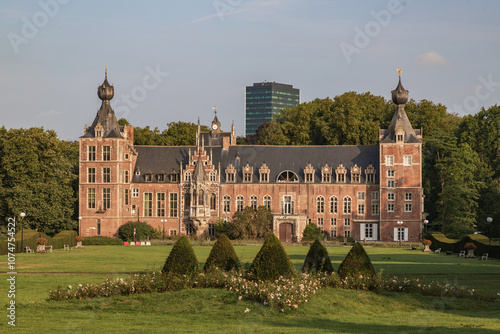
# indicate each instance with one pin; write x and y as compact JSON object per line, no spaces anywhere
{"x":161,"y":177}
{"x":247,"y":173}
{"x":370,"y":174}
{"x":173,"y":177}
{"x":309,"y":173}
{"x":147,"y":177}
{"x":264,"y":173}
{"x":99,"y":130}
{"x":288,"y":176}
{"x":213,"y":176}
{"x":326,"y":174}
{"x":230,"y":173}
{"x":341,"y":172}
{"x":187,"y":176}
{"x":400,"y":135}
{"x":355,"y":174}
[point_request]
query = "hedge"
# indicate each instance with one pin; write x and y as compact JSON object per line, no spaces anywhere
{"x":63,"y":238}
{"x":439,"y":240}
{"x":30,"y":237}
{"x":100,"y":240}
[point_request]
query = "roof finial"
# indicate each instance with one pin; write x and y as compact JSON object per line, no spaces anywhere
{"x":214,"y":108}
{"x":399,"y":71}
{"x":105,"y":71}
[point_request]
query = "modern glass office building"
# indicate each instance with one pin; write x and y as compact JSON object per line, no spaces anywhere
{"x":264,"y":100}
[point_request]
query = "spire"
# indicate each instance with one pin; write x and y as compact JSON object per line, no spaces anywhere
{"x":199,"y":171}
{"x":105,"y":119}
{"x":400,"y":128}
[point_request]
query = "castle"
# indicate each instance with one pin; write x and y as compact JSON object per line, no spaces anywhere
{"x":370,"y":193}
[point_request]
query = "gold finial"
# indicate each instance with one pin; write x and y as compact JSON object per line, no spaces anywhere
{"x":399,"y":71}
{"x":106,"y":71}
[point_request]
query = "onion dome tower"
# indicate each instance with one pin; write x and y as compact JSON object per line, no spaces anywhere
{"x":400,"y":129}
{"x":105,"y":124}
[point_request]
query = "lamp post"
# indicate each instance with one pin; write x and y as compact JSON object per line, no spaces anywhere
{"x":163,"y":221}
{"x":489,"y":220}
{"x":425,"y":224}
{"x":80,"y":225}
{"x":400,"y":223}
{"x":22,"y":230}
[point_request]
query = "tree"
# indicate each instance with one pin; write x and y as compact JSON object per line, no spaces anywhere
{"x":317,"y":259}
{"x":222,"y":256}
{"x":181,"y":260}
{"x":356,"y":263}
{"x":250,"y":223}
{"x":312,"y":232}
{"x":182,"y":133}
{"x":37,"y":172}
{"x":142,"y":231}
{"x":271,"y":262}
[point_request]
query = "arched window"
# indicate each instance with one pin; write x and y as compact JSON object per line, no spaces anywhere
{"x":187,"y":176}
{"x":347,"y":204}
{"x":253,"y":202}
{"x":267,"y":201}
{"x":320,"y":204}
{"x":334,"y":204}
{"x":288,"y":176}
{"x":187,"y":201}
{"x":201,"y":198}
{"x":226,"y":201}
{"x":239,"y":203}
{"x":213,"y":177}
{"x":213,"y":202}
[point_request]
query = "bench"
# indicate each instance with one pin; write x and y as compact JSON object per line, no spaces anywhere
{"x":47,"y":247}
{"x":484,"y":257}
{"x":462,"y":253}
{"x":437,"y":251}
{"x":29,"y":250}
{"x":66,"y":247}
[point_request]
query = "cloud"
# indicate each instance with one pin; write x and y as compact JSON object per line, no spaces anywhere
{"x":431,"y":59}
{"x":49,"y":113}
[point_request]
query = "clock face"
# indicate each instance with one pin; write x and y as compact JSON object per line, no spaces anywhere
{"x":214,"y":126}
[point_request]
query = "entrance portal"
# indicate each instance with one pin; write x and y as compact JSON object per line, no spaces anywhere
{"x":286,"y":232}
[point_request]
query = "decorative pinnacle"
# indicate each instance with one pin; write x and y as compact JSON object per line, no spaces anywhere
{"x":105,"y":71}
{"x":399,"y":71}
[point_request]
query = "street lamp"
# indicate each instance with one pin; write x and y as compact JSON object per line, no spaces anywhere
{"x":22,"y":230}
{"x":425,"y":224}
{"x":489,"y":220}
{"x":400,"y":223}
{"x":80,"y":225}
{"x":163,"y":221}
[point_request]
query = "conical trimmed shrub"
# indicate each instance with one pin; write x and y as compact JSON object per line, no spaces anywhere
{"x":317,"y":259}
{"x":222,"y":256}
{"x":356,"y":263}
{"x":181,"y":260}
{"x":271,"y":262}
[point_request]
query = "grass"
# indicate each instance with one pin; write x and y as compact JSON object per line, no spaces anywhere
{"x":209,"y":311}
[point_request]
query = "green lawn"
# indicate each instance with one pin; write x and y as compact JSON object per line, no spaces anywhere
{"x":209,"y":311}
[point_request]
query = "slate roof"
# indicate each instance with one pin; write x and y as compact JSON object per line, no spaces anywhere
{"x":165,"y":159}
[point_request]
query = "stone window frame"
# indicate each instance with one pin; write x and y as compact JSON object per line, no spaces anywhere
{"x":212,"y":176}
{"x":408,"y":196}
{"x":326,"y":174}
{"x":320,"y":205}
{"x":370,"y":174}
{"x":106,"y":153}
{"x":254,"y":202}
{"x":407,"y":160}
{"x":91,"y":153}
{"x":106,"y":175}
{"x":287,"y":176}
{"x":334,"y":204}
{"x":264,"y":172}
{"x":226,"y":204}
{"x":247,"y":174}
{"x":309,"y":173}
{"x":347,"y":205}
{"x":91,"y":175}
{"x":230,"y":174}
{"x":355,"y":174}
{"x":267,"y":201}
{"x":340,"y":173}
{"x":240,"y":203}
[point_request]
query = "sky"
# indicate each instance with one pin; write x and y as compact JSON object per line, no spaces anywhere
{"x":173,"y":61}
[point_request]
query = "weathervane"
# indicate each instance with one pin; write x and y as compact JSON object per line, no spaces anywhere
{"x":399,"y":71}
{"x":214,"y":108}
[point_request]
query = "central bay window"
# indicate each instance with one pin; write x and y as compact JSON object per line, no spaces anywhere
{"x":287,"y":205}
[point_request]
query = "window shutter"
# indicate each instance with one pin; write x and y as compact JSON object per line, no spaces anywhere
{"x":375,"y":232}
{"x":282,"y":208}
{"x":396,"y":234}
{"x":406,"y":233}
{"x":362,"y":231}
{"x":291,"y":211}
